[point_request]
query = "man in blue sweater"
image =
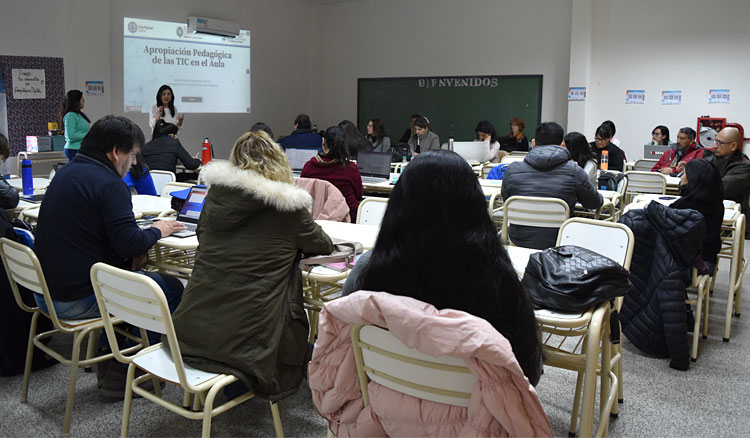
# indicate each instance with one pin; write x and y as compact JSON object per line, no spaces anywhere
{"x":303,"y":136}
{"x":87,"y":217}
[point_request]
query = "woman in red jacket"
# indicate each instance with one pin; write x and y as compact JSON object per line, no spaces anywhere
{"x":333,"y":165}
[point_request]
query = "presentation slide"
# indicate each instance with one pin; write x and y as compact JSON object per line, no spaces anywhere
{"x":208,"y":73}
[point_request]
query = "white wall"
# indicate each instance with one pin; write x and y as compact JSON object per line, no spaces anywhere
{"x":688,"y":45}
{"x":88,"y":35}
{"x":391,"y":38}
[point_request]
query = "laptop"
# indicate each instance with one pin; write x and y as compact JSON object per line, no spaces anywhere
{"x":191,"y":211}
{"x":471,"y":151}
{"x":298,"y":158}
{"x":654,"y":151}
{"x":375,"y":167}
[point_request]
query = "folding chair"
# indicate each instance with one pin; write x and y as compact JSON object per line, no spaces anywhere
{"x":734,"y":250}
{"x":511,"y":158}
{"x":137,"y":299}
{"x":644,"y":164}
{"x":371,"y":210}
{"x":162,"y":177}
{"x":589,"y":331}
{"x":645,"y":182}
{"x":172,"y":187}
{"x":23,"y":269}
{"x":533,"y":212}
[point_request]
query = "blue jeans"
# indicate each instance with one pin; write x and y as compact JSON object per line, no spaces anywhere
{"x":88,"y":308}
{"x":70,"y":153}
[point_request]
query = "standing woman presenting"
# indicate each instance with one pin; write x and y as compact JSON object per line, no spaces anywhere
{"x":75,"y":123}
{"x":164,"y":108}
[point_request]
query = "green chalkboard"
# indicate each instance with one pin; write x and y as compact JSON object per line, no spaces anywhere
{"x":453,"y":104}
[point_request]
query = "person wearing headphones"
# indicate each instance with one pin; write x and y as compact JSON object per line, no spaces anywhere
{"x":423,"y":139}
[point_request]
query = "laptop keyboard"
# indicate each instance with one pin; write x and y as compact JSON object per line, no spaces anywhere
{"x":373,"y":179}
{"x":190,"y":227}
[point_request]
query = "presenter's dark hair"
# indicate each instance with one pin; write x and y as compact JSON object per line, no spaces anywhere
{"x":664,"y":131}
{"x":260,"y":126}
{"x":690,"y":132}
{"x":548,"y":133}
{"x":579,"y":148}
{"x":171,"y":101}
{"x":486,"y":127}
{"x":611,"y":125}
{"x":336,"y":144}
{"x":113,"y":131}
{"x":303,"y":122}
{"x":72,"y":103}
{"x":378,"y":129}
{"x":164,"y":128}
{"x":703,"y":183}
{"x":4,"y":148}
{"x":422,"y":122}
{"x":604,"y":132}
{"x":454,"y":259}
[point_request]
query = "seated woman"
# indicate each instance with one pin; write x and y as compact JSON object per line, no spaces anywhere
{"x":701,"y":189}
{"x":449,"y":257}
{"x":355,"y":141}
{"x":334,"y":166}
{"x":486,"y":133}
{"x":242,"y":312}
{"x":139,"y":178}
{"x":518,"y":140}
{"x":164,"y":149}
{"x":660,"y":136}
{"x":423,"y":139}
{"x":376,"y":135}
{"x":581,"y":153}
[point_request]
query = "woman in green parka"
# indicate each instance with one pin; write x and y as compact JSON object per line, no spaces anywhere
{"x":241,"y":312}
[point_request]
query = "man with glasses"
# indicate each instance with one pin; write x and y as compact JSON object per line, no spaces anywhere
{"x":616,"y":157}
{"x":733,"y":167}
{"x":673,"y":161}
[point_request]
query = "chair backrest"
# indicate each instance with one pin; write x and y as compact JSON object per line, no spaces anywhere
{"x":510,"y":158}
{"x":487,"y":168}
{"x":328,"y":202}
{"x":382,"y":358}
{"x":172,"y":187}
{"x":646,"y":182}
{"x":533,"y":211}
{"x":161,"y":177}
{"x":371,"y":211}
{"x":139,"y":301}
{"x":644,"y":164}
{"x":23,"y":268}
{"x":739,"y":263}
{"x":613,"y":240}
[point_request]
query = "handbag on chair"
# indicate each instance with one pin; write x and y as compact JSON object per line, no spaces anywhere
{"x":573,"y":279}
{"x":344,"y":251}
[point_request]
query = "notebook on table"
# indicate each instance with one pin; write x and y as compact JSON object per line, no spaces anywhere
{"x":191,"y":211}
{"x":374,"y":167}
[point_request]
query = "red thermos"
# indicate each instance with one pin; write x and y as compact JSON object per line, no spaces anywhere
{"x":205,"y":151}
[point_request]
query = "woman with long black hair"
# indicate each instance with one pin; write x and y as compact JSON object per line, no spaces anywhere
{"x":164,"y":108}
{"x":581,"y":153}
{"x":437,"y":244}
{"x":75,"y":122}
{"x":487,"y":134}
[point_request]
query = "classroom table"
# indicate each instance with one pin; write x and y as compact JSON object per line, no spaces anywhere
{"x":362,"y":233}
{"x":673,"y":185}
{"x":151,"y":205}
{"x":40,"y":184}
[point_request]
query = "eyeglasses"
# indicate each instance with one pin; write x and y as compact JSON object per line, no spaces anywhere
{"x":601,"y":139}
{"x":719,"y":142}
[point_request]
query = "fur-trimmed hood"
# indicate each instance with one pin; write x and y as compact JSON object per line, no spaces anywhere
{"x":281,"y":196}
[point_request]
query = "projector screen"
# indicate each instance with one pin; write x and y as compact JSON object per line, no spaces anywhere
{"x":208,"y":73}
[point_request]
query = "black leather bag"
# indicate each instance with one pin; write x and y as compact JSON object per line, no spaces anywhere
{"x":573,"y":279}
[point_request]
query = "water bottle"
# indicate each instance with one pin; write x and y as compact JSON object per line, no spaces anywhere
{"x":450,"y":142}
{"x":604,"y":164}
{"x":403,"y":162}
{"x":27,"y":177}
{"x":206,"y":153}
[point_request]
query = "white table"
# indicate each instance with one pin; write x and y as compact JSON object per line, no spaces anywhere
{"x":362,"y":233}
{"x":39,"y":183}
{"x":661,"y":199}
{"x":151,"y":205}
{"x":519,"y":256}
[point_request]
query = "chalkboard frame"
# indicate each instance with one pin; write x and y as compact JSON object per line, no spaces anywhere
{"x":499,"y":128}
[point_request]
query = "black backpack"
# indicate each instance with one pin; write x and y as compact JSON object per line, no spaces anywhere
{"x":609,"y":180}
{"x":398,"y":151}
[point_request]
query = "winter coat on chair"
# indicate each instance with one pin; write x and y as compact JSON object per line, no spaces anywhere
{"x":241,"y":312}
{"x":328,"y":202}
{"x":503,"y":402}
{"x":667,"y":243}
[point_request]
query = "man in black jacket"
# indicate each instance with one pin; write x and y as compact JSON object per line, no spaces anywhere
{"x":547,"y":171}
{"x":87,"y":217}
{"x":734,"y":170}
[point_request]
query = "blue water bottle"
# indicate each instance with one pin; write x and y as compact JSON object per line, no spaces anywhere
{"x":27,"y":178}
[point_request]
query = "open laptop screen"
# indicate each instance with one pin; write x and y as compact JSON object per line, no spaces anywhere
{"x":377,"y":164}
{"x":298,"y":157}
{"x":191,"y":210}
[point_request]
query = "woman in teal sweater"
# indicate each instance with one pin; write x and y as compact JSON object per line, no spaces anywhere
{"x":75,"y":123}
